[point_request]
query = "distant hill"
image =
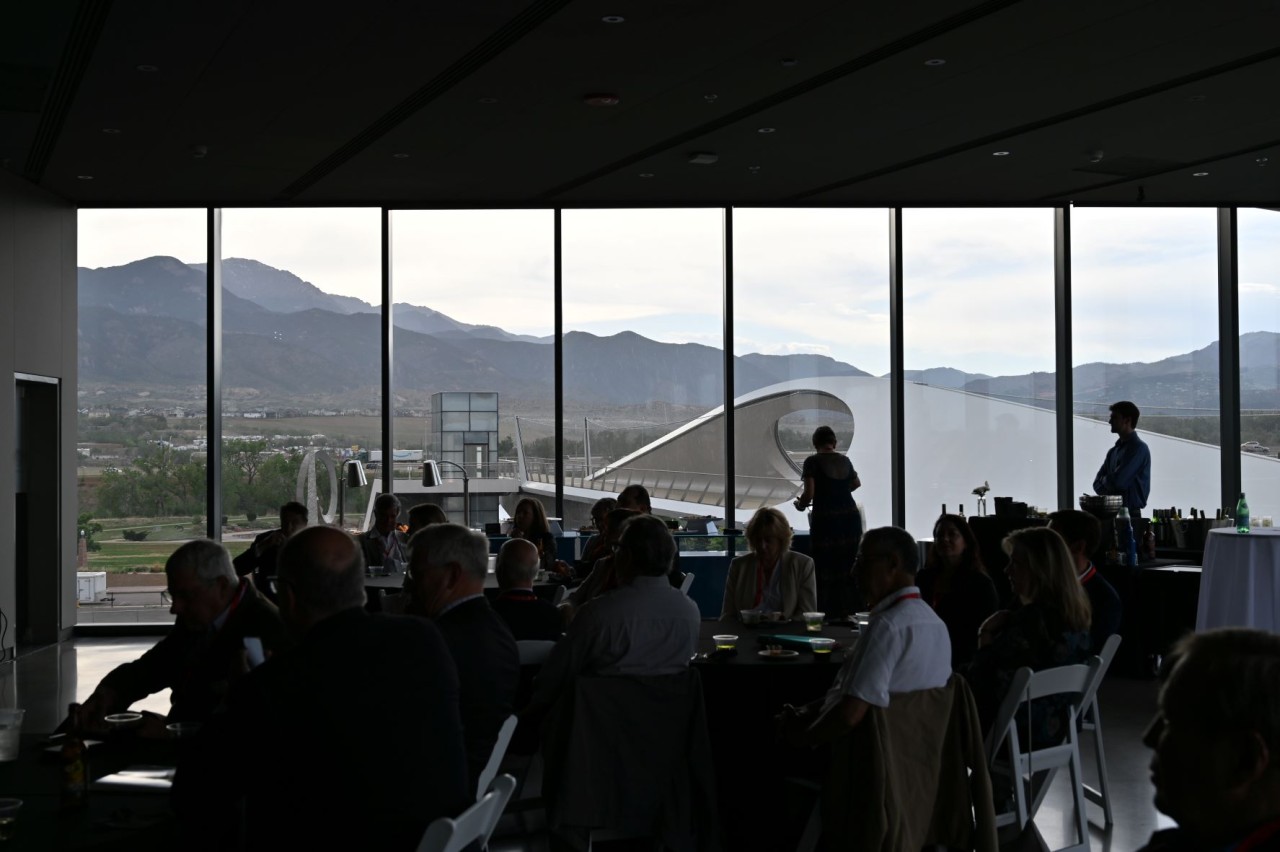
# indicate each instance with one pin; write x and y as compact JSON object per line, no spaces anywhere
{"x":141,"y":325}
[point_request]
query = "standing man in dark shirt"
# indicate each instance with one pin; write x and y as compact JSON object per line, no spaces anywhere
{"x":1126,"y":471}
{"x":1082,"y":533}
{"x":447,"y":571}
{"x":528,"y":616}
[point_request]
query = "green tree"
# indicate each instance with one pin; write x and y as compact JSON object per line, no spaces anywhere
{"x":86,"y":524}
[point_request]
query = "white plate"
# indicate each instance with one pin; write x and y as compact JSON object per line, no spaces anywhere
{"x":778,"y":655}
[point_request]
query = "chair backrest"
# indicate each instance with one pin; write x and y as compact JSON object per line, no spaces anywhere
{"x":490,"y":770}
{"x":1075,"y":680}
{"x":1104,"y":658}
{"x":474,"y":824}
{"x":562,"y":594}
{"x":534,"y":652}
{"x":686,"y":583}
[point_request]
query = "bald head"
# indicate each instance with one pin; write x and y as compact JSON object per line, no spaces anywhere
{"x":320,"y":572}
{"x":517,"y":564}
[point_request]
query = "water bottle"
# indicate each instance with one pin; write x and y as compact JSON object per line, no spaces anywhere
{"x":1242,"y":515}
{"x":1125,"y":544}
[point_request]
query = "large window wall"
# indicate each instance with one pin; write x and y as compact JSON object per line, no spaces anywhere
{"x":1259,"y":317}
{"x":474,"y":320}
{"x":142,"y":402}
{"x":643,"y":355}
{"x":978,"y":352}
{"x":811,"y":347}
{"x":642,"y":295}
{"x":302,"y":298}
{"x":1145,"y":329}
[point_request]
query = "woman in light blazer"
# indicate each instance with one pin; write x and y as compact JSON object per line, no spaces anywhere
{"x":770,"y":578}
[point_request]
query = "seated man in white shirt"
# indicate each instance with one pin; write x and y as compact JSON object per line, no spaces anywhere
{"x":904,"y":648}
{"x":643,"y":627}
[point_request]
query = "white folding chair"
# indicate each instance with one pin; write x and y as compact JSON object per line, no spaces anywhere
{"x":1021,"y":766}
{"x":686,"y":583}
{"x":562,"y":595}
{"x":476,"y":823}
{"x":1091,"y":721}
{"x":490,"y":770}
{"x":534,"y":652}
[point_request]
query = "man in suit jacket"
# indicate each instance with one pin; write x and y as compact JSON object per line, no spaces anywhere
{"x":261,"y":557}
{"x":528,"y":616}
{"x":383,"y":543}
{"x":446,"y":584}
{"x":351,"y":740}
{"x":201,"y":655}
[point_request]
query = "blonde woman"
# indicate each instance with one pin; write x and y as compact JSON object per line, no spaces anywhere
{"x":771,"y":578}
{"x":1048,"y":627}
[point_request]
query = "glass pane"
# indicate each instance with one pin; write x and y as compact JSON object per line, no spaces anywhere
{"x":474,"y":316}
{"x":301,"y":334}
{"x":978,"y":351}
{"x":1145,"y":329}
{"x":822,"y":359}
{"x":142,"y":411}
{"x":1259,"y":242}
{"x":643,"y":291}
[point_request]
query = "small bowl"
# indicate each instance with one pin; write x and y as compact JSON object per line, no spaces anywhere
{"x":10,"y":807}
{"x":749,"y":616}
{"x":123,"y":721}
{"x":725,"y":641}
{"x":822,"y":647}
{"x":182,"y":730}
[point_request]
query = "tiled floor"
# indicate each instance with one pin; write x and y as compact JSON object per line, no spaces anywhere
{"x":45,"y":681}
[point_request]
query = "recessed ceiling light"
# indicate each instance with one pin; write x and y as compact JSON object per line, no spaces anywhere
{"x":935,"y":62}
{"x":1260,"y":160}
{"x":148,"y":68}
{"x":1196,"y":98}
{"x":766,"y":130}
{"x":84,"y":177}
{"x":703,"y":158}
{"x":1200,"y":174}
{"x":401,"y":156}
{"x":487,"y":100}
{"x":111,"y":130}
{"x":601,"y":99}
{"x":646,"y":174}
{"x":999,"y":153}
{"x":788,"y":62}
{"x":613,"y":19}
{"x":753,"y":168}
{"x":710,"y":97}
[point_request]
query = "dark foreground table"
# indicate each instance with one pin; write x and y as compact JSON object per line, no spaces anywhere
{"x":123,"y":820}
{"x":743,"y":694}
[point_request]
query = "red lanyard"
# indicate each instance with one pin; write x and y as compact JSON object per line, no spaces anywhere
{"x":760,"y":580}
{"x":900,"y":598}
{"x":1088,"y":575}
{"x":390,"y":545}
{"x":235,"y":602}
{"x":1259,"y":836}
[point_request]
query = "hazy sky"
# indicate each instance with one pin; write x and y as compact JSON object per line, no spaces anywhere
{"x":978,"y":283}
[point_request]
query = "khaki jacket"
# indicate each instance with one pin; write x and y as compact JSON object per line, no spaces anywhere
{"x":799,"y":586}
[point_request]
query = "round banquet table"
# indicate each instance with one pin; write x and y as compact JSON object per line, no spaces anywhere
{"x":1240,"y":580}
{"x":743,"y":693}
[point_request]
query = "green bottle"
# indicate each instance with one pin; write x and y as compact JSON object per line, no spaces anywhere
{"x":1242,"y":515}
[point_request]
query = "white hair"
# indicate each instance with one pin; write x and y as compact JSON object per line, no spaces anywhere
{"x":208,"y":559}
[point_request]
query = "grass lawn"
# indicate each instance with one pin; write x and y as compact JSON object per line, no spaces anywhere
{"x":120,"y":556}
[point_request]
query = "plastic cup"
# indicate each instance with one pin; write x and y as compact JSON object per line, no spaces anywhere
{"x":823,"y":647}
{"x":813,"y":621}
{"x":1266,"y":520}
{"x":10,"y":733}
{"x":750,"y":616}
{"x":725,"y":641}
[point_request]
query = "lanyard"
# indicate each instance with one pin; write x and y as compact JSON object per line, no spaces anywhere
{"x":899,"y":599}
{"x":1088,"y":575}
{"x":390,"y":545}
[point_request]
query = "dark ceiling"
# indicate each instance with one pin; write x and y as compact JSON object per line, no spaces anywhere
{"x":243,"y":102}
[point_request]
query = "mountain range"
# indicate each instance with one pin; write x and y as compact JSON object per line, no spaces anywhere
{"x":287,"y":341}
